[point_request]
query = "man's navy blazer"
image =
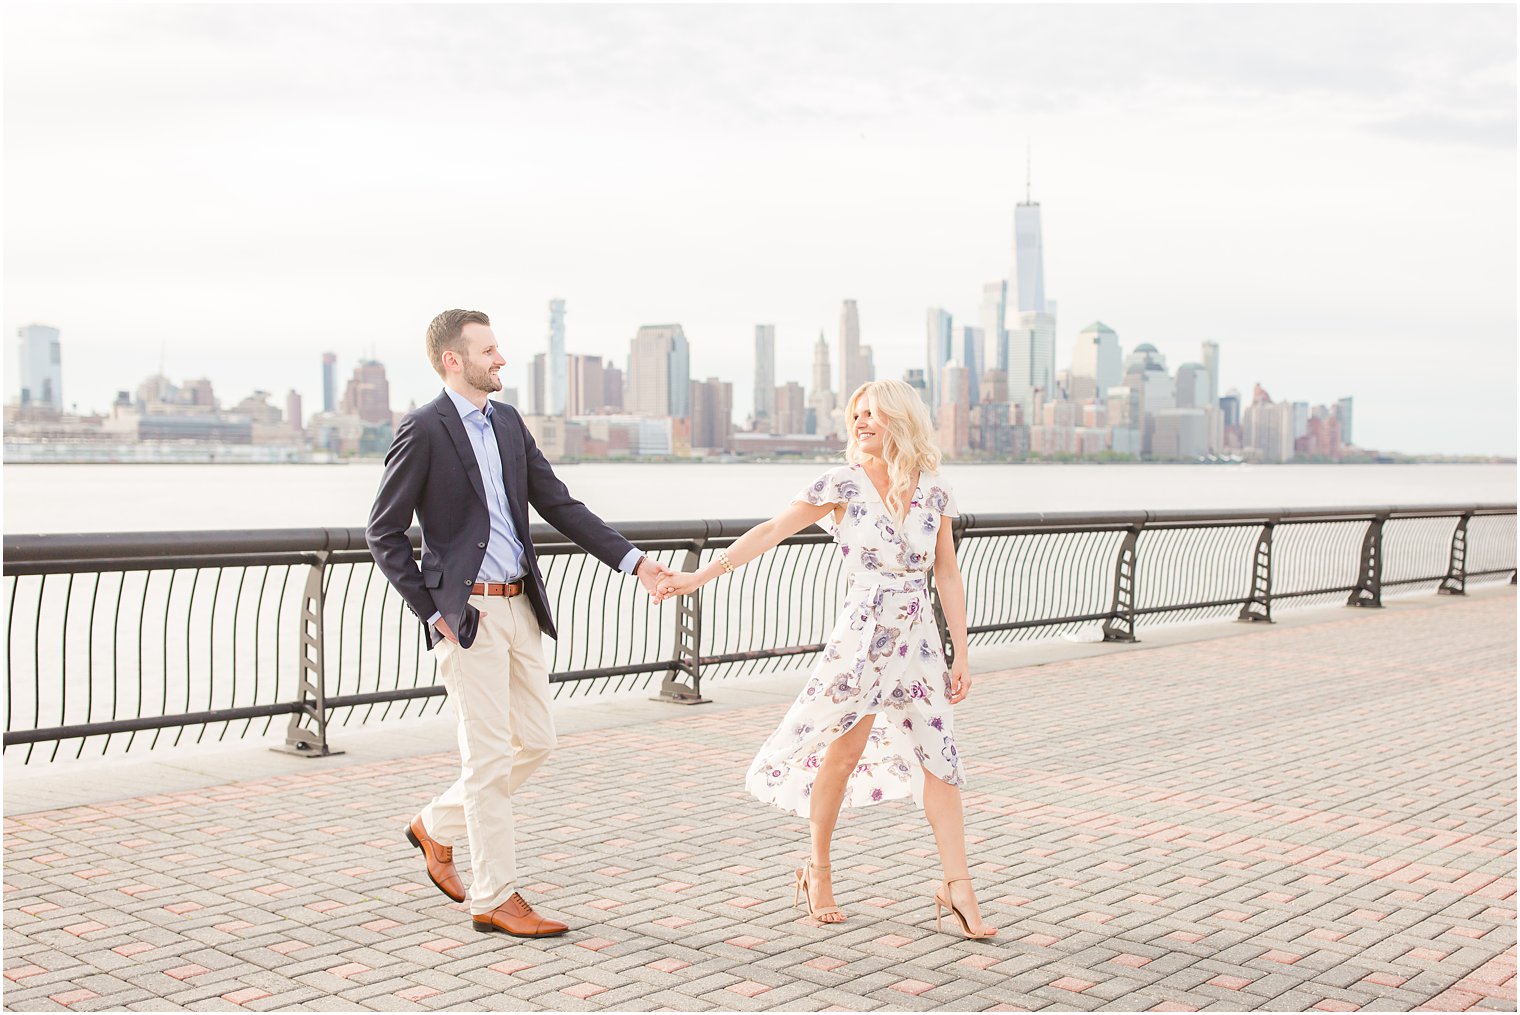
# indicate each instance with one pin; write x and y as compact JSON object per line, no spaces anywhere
{"x":431,"y":470}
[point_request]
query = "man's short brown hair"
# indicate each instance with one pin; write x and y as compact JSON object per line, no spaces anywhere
{"x":447,"y":332}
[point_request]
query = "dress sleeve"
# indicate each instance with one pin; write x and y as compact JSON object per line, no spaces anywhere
{"x":941,"y":498}
{"x":824,"y":490}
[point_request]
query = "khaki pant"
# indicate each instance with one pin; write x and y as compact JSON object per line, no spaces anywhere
{"x":499,"y":687}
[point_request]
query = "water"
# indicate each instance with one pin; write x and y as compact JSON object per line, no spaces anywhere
{"x":125,"y":498}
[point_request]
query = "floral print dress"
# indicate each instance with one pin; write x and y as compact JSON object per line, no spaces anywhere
{"x":883,"y":657}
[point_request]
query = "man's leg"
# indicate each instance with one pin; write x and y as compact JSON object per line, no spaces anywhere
{"x":532,"y":717}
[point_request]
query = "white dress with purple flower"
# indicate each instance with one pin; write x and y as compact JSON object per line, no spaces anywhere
{"x":883,"y":656}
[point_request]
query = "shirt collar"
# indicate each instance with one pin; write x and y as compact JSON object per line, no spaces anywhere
{"x":465,"y":406}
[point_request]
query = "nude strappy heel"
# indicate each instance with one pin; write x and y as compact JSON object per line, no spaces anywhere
{"x":802,"y":893}
{"x":942,"y":904}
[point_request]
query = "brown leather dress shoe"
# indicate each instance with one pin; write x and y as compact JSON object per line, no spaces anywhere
{"x":440,"y":860}
{"x":517,"y":918}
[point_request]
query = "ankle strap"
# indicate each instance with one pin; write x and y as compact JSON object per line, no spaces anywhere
{"x":951,"y":881}
{"x":819,"y":866}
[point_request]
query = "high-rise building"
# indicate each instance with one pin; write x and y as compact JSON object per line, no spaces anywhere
{"x":1211,"y":366}
{"x":1267,"y":428}
{"x":329,"y":381}
{"x":971,"y":353}
{"x":1096,"y":362}
{"x":1193,"y":386}
{"x":1031,"y":356}
{"x":994,"y":318}
{"x":1180,"y":435}
{"x":712,"y":415}
{"x":821,"y":401}
{"x":367,"y":396}
{"x":915,"y":379}
{"x":954,"y":416}
{"x":1027,"y":291}
{"x":559,"y":366}
{"x":37,"y":362}
{"x":612,"y":387}
{"x":851,"y":369}
{"x":1300,"y":419}
{"x":765,"y":377}
{"x":1343,"y":417}
{"x":791,"y":410}
{"x":293,"y":416}
{"x":586,"y":389}
{"x":940,"y":350}
{"x":659,"y":372}
{"x":538,"y":385}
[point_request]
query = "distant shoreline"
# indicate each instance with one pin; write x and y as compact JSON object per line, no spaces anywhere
{"x":379,"y":460}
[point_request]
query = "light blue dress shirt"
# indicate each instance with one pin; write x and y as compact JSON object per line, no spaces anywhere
{"x":504,"y":549}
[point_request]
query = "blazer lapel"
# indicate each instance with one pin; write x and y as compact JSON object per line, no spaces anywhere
{"x":455,"y":426}
{"x":514,"y":472}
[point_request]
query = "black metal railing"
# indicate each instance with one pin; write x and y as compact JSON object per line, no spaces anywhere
{"x":130,"y":640}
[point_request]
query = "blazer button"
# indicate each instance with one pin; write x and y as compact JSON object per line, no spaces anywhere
{"x":481,"y":545}
{"x":468,"y":582}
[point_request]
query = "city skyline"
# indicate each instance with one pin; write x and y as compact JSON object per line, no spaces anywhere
{"x":1320,"y":206}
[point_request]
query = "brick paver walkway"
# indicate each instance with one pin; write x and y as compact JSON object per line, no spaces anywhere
{"x":1304,"y":817}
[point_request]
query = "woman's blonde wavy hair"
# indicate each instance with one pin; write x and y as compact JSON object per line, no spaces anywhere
{"x":907,"y":437}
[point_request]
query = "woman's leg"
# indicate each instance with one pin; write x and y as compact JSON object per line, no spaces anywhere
{"x":823,"y":807}
{"x":942,"y":806}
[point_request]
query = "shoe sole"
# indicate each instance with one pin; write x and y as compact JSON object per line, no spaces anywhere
{"x":491,"y":928}
{"x":412,"y":838}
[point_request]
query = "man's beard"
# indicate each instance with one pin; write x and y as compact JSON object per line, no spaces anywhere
{"x":480,"y":379}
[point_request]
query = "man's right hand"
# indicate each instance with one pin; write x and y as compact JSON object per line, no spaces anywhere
{"x":442,"y":627}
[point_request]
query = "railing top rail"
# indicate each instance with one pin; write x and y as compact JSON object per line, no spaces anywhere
{"x":55,"y":547}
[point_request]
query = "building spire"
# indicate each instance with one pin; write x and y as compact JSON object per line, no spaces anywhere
{"x":1028,"y":172}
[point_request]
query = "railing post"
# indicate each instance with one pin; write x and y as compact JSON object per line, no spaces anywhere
{"x":1455,"y":582}
{"x":688,"y":658}
{"x":1369,"y":582}
{"x":1120,"y":625}
{"x":306,"y":735}
{"x":1259,"y":606}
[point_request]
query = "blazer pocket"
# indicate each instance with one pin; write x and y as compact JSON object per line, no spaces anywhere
{"x":432,"y":579}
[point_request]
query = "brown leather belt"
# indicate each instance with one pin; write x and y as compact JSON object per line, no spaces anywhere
{"x":506,"y":589}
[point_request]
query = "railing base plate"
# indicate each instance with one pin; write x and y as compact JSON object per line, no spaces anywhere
{"x":682,"y":699}
{"x":306,"y":752}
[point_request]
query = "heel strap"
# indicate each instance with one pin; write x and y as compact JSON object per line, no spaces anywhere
{"x":819,"y":866}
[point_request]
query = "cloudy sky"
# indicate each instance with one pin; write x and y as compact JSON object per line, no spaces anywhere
{"x":1328,"y":192}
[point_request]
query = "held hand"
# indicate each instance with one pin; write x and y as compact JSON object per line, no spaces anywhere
{"x":677,"y":583}
{"x":960,"y":680}
{"x":649,"y":573}
{"x":442,"y":627}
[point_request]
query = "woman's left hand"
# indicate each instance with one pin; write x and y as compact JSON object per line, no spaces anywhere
{"x":960,"y":680}
{"x":681,"y":583}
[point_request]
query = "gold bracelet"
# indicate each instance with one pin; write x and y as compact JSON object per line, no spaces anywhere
{"x":728,"y":565}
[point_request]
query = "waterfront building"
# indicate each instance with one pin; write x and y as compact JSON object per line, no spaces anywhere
{"x":329,"y":382}
{"x":507,"y":396}
{"x":855,"y":366}
{"x":1123,"y":405}
{"x":1027,"y":292}
{"x":940,"y":351}
{"x":1324,"y":437}
{"x":971,"y":354}
{"x":1193,"y":386}
{"x":558,"y":365}
{"x":586,"y":387}
{"x":1267,"y":429}
{"x":628,"y":436}
{"x":293,"y":416}
{"x":659,"y":372}
{"x":367,"y":396}
{"x":914,"y":378}
{"x":1211,"y":367}
{"x":787,"y":445}
{"x":821,"y":399}
{"x":1096,"y":362}
{"x":764,"y":413}
{"x":1300,"y":419}
{"x":995,"y":386}
{"x":712,"y":412}
{"x":612,"y":387}
{"x":1343,"y":416}
{"x":1031,"y":355}
{"x":994,"y":321}
{"x":37,"y":365}
{"x":538,"y":392}
{"x":558,"y":437}
{"x":954,"y":417}
{"x":1180,"y":435}
{"x":790,"y":409}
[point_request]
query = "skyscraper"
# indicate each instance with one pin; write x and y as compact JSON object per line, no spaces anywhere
{"x":1031,"y":320}
{"x":994,"y":319}
{"x":971,"y":353}
{"x":940,"y":350}
{"x":558,"y":366}
{"x":586,"y":393}
{"x":293,"y":410}
{"x":1343,"y":416}
{"x":329,"y":381}
{"x":765,"y":376}
{"x":1096,"y":359}
{"x":368,"y":394}
{"x":1192,"y":386}
{"x":821,"y":399}
{"x":659,"y":372}
{"x":712,"y":412}
{"x":791,"y":410}
{"x":38,"y":363}
{"x":1211,"y":365}
{"x":851,"y":369}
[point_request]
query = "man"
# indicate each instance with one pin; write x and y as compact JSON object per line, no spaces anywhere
{"x":468,"y":468}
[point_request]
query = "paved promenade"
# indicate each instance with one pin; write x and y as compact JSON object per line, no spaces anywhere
{"x":1315,"y":815}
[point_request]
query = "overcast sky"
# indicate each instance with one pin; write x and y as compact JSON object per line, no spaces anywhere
{"x":1328,"y":192}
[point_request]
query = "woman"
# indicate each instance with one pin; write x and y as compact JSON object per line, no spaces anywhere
{"x":874,"y":721}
